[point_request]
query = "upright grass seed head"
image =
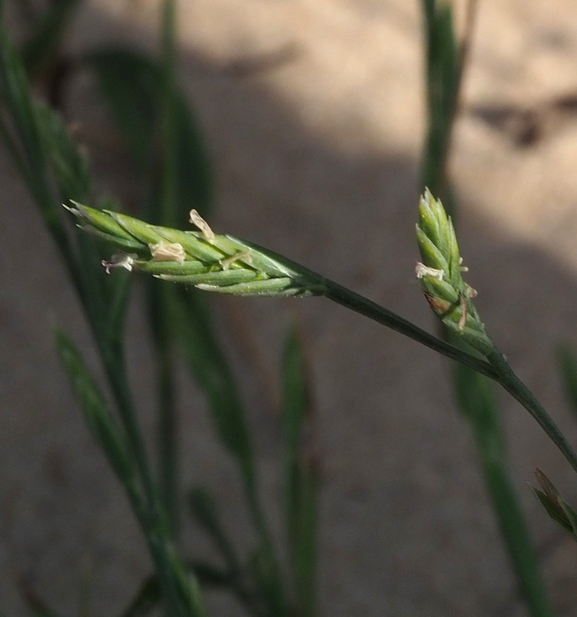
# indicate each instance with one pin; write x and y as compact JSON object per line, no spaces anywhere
{"x":201,"y":258}
{"x":441,"y":275}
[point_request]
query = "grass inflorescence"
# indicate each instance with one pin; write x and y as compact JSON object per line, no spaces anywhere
{"x":208,"y":261}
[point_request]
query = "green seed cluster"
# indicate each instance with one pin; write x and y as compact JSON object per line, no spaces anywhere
{"x":201,"y":258}
{"x":441,"y":275}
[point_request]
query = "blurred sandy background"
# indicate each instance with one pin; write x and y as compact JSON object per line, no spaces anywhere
{"x":313,"y":112}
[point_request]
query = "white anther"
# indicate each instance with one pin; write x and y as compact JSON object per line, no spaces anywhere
{"x":167,"y":251}
{"x":421,"y":270}
{"x":120,"y":260}
{"x":204,"y":227}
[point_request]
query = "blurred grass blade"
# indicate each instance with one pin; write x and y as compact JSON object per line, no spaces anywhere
{"x":31,"y":133}
{"x":205,"y":512}
{"x":442,"y":62}
{"x":21,"y":110}
{"x":42,"y":46}
{"x":568,"y":366}
{"x":159,"y":131}
{"x":149,"y":595}
{"x":476,"y":400}
{"x":100,"y":421}
{"x":70,"y":166}
{"x":129,"y":82}
{"x":213,"y":374}
{"x":160,"y":306}
{"x":301,"y":475}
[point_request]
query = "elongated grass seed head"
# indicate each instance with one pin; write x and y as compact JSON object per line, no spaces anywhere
{"x":202,"y":258}
{"x":440,"y":275}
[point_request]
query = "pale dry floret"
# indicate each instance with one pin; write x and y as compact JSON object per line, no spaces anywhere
{"x":167,"y":251}
{"x":119,"y":260}
{"x":421,"y":270}
{"x":204,"y":227}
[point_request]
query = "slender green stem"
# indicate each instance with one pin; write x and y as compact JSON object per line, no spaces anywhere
{"x":497,"y":369}
{"x":359,"y":304}
{"x":518,"y":390}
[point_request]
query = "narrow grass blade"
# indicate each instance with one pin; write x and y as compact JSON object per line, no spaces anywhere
{"x":149,"y":595}
{"x":40,"y":147}
{"x":70,"y":166}
{"x":129,"y":82}
{"x":301,"y":475}
{"x":442,"y":67}
{"x":213,"y":374}
{"x":160,"y":298}
{"x":476,"y":400}
{"x":206,"y":515}
{"x":17,"y":98}
{"x":41,"y":47}
{"x":99,"y":419}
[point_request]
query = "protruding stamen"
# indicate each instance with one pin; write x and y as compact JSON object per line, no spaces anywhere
{"x":421,"y":270}
{"x":204,"y":227}
{"x":120,"y":260}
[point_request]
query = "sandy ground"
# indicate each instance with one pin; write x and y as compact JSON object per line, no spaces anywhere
{"x":317,"y":156}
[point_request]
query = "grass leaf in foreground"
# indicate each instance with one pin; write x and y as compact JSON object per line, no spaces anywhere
{"x":99,"y":419}
{"x":476,"y":400}
{"x":205,"y":513}
{"x":41,"y":48}
{"x":129,"y":82}
{"x":301,"y":474}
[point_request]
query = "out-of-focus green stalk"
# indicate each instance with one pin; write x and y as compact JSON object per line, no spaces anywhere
{"x":477,"y":402}
{"x":55,"y":171}
{"x":446,"y":63}
{"x":301,"y":475}
{"x":160,"y":299}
